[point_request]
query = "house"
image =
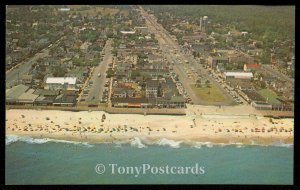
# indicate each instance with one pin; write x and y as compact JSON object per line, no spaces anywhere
{"x":154,"y":65}
{"x":141,"y":29}
{"x":255,"y":52}
{"x":43,"y":41}
{"x":154,"y":58}
{"x":213,"y":61}
{"x":122,"y":46}
{"x":44,"y":101}
{"x":152,"y":88}
{"x":123,"y":92}
{"x":27,"y":79}
{"x":59,"y":83}
{"x":132,"y":58}
{"x":193,"y":38}
{"x":155,"y":72}
{"x":67,"y":98}
{"x":119,"y":93}
{"x":238,"y":75}
{"x":253,"y":66}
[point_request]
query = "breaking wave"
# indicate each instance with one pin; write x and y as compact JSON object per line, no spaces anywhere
{"x":9,"y":139}
{"x":167,"y":142}
{"x":136,"y":142}
{"x":143,"y":143}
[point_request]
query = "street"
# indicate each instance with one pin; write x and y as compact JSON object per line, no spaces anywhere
{"x":169,"y":47}
{"x":16,"y":74}
{"x":97,"y":86}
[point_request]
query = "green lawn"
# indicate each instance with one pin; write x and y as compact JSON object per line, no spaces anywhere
{"x":270,"y":95}
{"x":210,"y":95}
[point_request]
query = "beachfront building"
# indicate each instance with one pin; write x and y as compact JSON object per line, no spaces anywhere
{"x":12,"y":94}
{"x":20,"y":94}
{"x":261,"y":105}
{"x":28,"y":97}
{"x":152,"y":87}
{"x":61,"y":83}
{"x":130,"y":102}
{"x":66,"y":98}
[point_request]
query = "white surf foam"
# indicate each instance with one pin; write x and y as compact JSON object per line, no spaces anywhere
{"x":9,"y":139}
{"x":167,"y":142}
{"x":136,"y":142}
{"x":281,"y":144}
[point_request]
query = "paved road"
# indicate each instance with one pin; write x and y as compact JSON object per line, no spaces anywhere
{"x":15,"y":76}
{"x":97,"y":88}
{"x":167,"y":43}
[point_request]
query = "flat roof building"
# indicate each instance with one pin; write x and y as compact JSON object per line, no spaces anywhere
{"x":238,"y":75}
{"x":28,"y":97}
{"x":61,"y":83}
{"x":15,"y":92}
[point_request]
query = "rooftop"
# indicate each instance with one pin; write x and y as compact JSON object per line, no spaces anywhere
{"x":16,"y":91}
{"x":61,"y":80}
{"x":28,"y":96}
{"x":253,"y":66}
{"x":239,"y":74}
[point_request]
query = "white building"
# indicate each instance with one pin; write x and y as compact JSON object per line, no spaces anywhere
{"x":64,"y":9}
{"x":127,"y":32}
{"x":238,"y":75}
{"x":58,"y":83}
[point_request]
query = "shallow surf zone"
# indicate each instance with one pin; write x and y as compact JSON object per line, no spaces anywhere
{"x":141,"y":142}
{"x":10,"y":139}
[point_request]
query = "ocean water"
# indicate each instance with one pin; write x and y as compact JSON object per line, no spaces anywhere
{"x":45,"y":161}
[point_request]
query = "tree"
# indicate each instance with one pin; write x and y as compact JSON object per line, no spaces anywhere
{"x":59,"y":72}
{"x":265,"y":58}
{"x":110,"y":73}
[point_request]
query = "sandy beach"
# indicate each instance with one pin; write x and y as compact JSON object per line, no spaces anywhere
{"x":87,"y":126}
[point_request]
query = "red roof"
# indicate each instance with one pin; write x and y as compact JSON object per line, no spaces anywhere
{"x":253,"y":66}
